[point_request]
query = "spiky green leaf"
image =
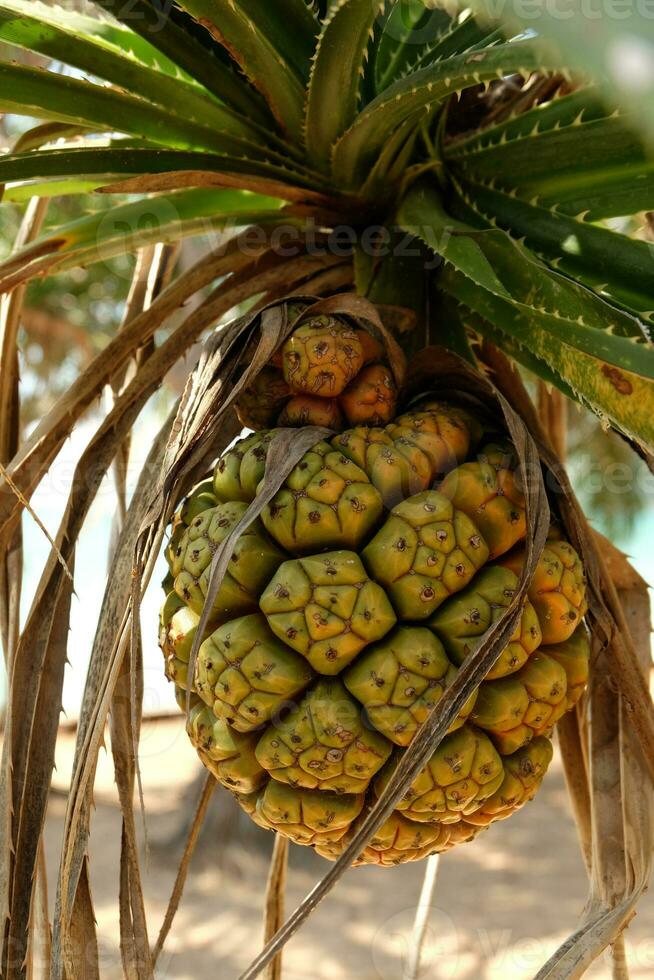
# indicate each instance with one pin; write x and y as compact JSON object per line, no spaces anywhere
{"x":622,"y":266}
{"x":419,"y":96}
{"x":336,"y":74}
{"x":229,"y":22}
{"x":403,"y":35}
{"x":71,"y":39}
{"x":170,"y":32}
{"x":614,"y":49}
{"x":49,"y":95}
{"x":598,"y":350}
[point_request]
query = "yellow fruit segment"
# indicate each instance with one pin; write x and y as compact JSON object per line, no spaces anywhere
{"x":557,"y":591}
{"x":322,"y":356}
{"x":425,"y":552}
{"x":516,"y":708}
{"x":463,"y":621}
{"x":324,"y":743}
{"x":370,"y":399}
{"x":488,"y":492}
{"x":246,"y":675}
{"x":327,"y":609}
{"x":307,"y":816}
{"x":311,"y":410}
{"x":400,"y":680}
{"x":464,"y":771}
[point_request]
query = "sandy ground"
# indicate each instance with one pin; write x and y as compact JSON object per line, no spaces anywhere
{"x":503,"y":903}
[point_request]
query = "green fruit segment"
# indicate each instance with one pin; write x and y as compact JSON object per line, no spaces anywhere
{"x":574,"y":656}
{"x":523,"y":773}
{"x":462,"y":622}
{"x":464,"y":771}
{"x":425,"y":552}
{"x":326,"y":608}
{"x":240,"y":470}
{"x":514,"y":709}
{"x":488,"y":492}
{"x":200,"y":500}
{"x":408,"y":455}
{"x":323,"y":743}
{"x":326,"y":502}
{"x":179,"y":624}
{"x":307,"y":816}
{"x":246,"y":675}
{"x":228,"y":754}
{"x":400,"y":679}
{"x":254,"y":560}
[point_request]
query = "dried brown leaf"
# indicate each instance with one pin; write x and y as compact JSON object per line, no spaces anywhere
{"x":182,"y":871}
{"x":274,"y":907}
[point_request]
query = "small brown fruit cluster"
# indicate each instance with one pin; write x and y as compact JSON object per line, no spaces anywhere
{"x":328,"y":373}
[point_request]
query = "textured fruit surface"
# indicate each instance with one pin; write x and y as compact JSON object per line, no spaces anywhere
{"x":408,"y":455}
{"x":513,"y":709}
{"x":323,"y":743}
{"x":260,"y":404}
{"x":440,"y":433}
{"x":400,"y":679}
{"x":245,"y":674}
{"x":574,"y":656}
{"x":557,"y":590}
{"x":322,"y":356}
{"x":254,"y":559}
{"x":326,"y":502}
{"x":178,"y":627}
{"x":523,"y":773}
{"x":399,"y":840}
{"x":371,"y":398}
{"x":311,"y":410}
{"x":327,"y":609}
{"x":228,"y":754}
{"x":385,"y":558}
{"x":464,"y":771}
{"x":426,"y":551}
{"x":240,"y":470}
{"x":307,"y":816}
{"x":394,"y":473}
{"x":488,"y":492}
{"x":463,"y":620}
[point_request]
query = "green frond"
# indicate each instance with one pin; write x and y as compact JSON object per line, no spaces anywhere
{"x":191,"y":49}
{"x":264,"y":63}
{"x":420,"y":94}
{"x":336,"y":72}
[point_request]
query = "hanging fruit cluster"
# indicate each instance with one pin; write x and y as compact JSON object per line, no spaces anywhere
{"x":348,"y":606}
{"x":329,"y":373}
